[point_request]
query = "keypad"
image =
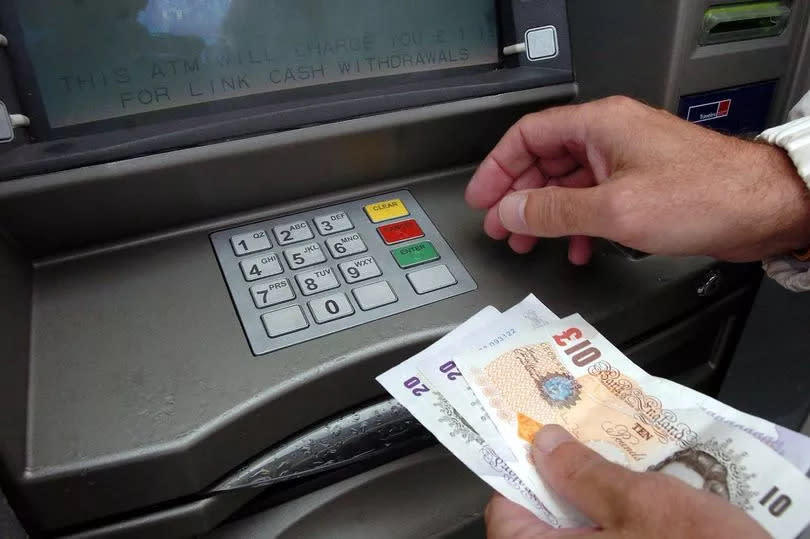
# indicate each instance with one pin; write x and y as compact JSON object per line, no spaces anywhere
{"x":332,"y":269}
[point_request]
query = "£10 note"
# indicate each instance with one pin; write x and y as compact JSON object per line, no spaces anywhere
{"x":569,"y":374}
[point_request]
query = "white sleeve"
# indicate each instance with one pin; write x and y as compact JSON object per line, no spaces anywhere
{"x":794,"y":138}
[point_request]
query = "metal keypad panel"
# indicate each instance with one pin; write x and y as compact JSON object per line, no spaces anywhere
{"x":306,"y":275}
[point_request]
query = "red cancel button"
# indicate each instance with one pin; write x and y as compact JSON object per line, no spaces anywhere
{"x":401,"y":231}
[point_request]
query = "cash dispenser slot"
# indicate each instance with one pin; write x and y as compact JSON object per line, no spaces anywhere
{"x":738,"y":22}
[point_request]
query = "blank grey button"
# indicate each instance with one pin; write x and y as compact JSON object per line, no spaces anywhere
{"x":272,"y":293}
{"x":284,"y":321}
{"x":333,"y":223}
{"x":250,"y":242}
{"x":293,"y":232}
{"x":346,"y":245}
{"x":261,"y":267}
{"x":374,"y":295}
{"x":304,"y":256}
{"x":330,"y":308}
{"x":430,"y":279}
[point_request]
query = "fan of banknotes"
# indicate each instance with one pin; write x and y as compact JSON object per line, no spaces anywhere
{"x":487,"y":387}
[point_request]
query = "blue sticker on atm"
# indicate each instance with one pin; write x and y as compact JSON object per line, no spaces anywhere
{"x":738,"y":110}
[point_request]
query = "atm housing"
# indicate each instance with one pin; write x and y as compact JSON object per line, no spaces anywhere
{"x":129,"y":391}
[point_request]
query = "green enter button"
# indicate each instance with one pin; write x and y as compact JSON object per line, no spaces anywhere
{"x":415,"y":254}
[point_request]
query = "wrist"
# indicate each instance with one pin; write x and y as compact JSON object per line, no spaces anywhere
{"x":791,"y":224}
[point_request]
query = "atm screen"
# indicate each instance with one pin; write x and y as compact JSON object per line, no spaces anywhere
{"x":99,"y":59}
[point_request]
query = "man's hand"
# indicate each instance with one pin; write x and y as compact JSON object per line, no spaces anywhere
{"x":620,"y":170}
{"x":622,"y":504}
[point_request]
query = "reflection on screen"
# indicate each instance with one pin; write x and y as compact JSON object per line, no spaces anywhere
{"x":97,"y":59}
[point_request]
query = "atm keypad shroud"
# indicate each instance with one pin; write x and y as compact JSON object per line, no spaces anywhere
{"x":302,"y":276}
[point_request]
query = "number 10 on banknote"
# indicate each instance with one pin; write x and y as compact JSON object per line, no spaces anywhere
{"x":569,"y":374}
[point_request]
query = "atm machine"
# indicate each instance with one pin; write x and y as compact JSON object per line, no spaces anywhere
{"x":220,"y":220}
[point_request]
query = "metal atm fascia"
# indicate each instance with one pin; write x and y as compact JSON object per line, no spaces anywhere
{"x":130,"y":367}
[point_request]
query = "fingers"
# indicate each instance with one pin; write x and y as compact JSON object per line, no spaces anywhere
{"x":560,"y":166}
{"x":522,"y":244}
{"x":492,"y":225}
{"x":544,"y":135}
{"x":553,"y":212}
{"x":597,"y":487}
{"x":579,"y":250}
{"x":506,"y":519}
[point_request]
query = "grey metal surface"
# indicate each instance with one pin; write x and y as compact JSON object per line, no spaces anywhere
{"x":340,"y":442}
{"x":6,"y":128}
{"x":320,"y":323}
{"x":140,"y":369}
{"x":770,"y":375}
{"x":83,"y":208}
{"x":661,"y":59}
{"x":428,"y":494}
{"x":15,"y":320}
{"x":140,"y":373}
{"x":10,"y":527}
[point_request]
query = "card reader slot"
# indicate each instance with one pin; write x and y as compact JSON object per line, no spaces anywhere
{"x":737,"y":22}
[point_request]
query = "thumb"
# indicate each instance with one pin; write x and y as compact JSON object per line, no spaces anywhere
{"x":596,"y":486}
{"x":553,"y":212}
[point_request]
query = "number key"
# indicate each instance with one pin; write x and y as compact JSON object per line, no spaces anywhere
{"x":293,"y":232}
{"x":346,"y":245}
{"x":330,"y":308}
{"x":312,"y":282}
{"x":304,"y":256}
{"x":250,"y":242}
{"x":272,"y":293}
{"x":260,"y":267}
{"x":361,"y":269}
{"x":333,"y":223}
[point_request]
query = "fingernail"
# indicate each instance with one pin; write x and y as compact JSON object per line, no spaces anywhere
{"x":550,"y":437}
{"x":512,"y":212}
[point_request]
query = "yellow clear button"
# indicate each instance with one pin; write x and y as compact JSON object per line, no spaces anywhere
{"x":386,"y":210}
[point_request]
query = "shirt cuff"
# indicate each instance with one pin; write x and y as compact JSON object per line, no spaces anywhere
{"x":789,"y":272}
{"x":794,"y":138}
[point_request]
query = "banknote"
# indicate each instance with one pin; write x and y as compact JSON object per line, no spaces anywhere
{"x":441,"y":373}
{"x":406,"y":384}
{"x":531,"y":313}
{"x":569,"y":374}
